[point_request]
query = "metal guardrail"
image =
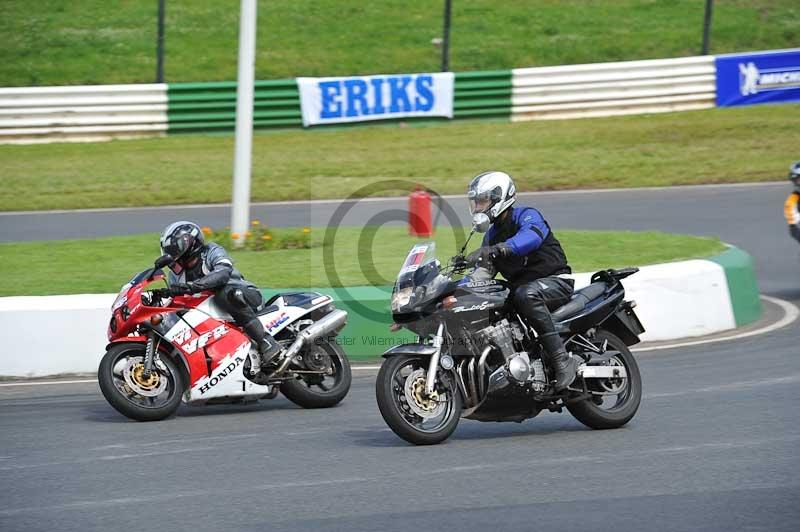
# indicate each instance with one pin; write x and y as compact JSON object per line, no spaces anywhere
{"x":482,"y":94}
{"x":609,"y":89}
{"x":91,"y":112}
{"x":108,"y":111}
{"x":197,"y":107}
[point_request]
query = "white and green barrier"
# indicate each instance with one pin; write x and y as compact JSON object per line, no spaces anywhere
{"x":82,"y":113}
{"x":50,"y":335}
{"x":48,"y":114}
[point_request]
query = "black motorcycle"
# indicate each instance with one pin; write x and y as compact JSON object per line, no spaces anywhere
{"x":477,"y":358}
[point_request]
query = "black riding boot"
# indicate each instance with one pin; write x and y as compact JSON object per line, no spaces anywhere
{"x":562,"y":365}
{"x":267,"y":346}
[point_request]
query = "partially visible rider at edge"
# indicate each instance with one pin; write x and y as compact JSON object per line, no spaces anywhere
{"x":791,"y":209}
{"x":521,"y":246}
{"x":199,"y":266}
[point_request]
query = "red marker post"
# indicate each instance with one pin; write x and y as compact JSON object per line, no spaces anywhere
{"x":419,"y":213}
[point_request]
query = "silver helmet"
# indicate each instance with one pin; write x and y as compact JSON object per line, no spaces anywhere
{"x":794,"y":174}
{"x":491,"y":193}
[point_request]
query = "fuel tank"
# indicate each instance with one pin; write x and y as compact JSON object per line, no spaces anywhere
{"x":475,"y":300}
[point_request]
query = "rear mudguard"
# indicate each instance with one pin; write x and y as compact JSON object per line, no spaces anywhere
{"x":624,"y":324}
{"x":410,"y":349}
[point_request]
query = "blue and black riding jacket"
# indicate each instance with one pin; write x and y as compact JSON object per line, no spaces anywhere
{"x":536,"y":252}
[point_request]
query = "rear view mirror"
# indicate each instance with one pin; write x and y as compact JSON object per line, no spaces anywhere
{"x":481,"y":222}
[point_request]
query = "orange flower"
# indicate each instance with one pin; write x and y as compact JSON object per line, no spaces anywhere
{"x":255,"y":222}
{"x":306,"y":230}
{"x":248,"y":233}
{"x":235,"y":236}
{"x":207,"y":231}
{"x":266,"y":237}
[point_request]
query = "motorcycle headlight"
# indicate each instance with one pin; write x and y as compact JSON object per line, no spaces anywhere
{"x":401,"y":298}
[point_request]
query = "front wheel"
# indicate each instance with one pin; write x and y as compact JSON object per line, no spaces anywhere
{"x":321,"y":378}
{"x":614,"y":402}
{"x":412,"y":414}
{"x":124,"y":385}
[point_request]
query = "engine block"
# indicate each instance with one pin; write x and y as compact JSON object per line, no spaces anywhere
{"x":501,"y":335}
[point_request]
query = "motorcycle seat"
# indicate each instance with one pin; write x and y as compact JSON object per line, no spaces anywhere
{"x":579,"y":300}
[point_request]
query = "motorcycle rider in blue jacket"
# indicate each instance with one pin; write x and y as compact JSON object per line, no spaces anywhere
{"x":521,"y":246}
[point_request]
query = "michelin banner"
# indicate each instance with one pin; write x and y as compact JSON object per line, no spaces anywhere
{"x":358,"y":99}
{"x":767,"y":77}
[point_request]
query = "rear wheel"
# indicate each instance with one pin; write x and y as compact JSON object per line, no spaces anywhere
{"x":322,"y":379}
{"x":614,"y":401}
{"x":412,"y":414}
{"x":124,"y":385}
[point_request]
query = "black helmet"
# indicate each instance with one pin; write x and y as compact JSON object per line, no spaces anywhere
{"x":794,"y":173}
{"x":183,"y":241}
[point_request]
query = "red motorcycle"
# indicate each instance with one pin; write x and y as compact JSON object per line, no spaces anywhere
{"x":163,"y":349}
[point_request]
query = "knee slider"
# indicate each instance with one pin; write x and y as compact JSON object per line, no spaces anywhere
{"x":236,"y":297}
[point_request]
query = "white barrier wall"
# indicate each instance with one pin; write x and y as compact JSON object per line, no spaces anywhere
{"x":679,"y":299}
{"x":67,"y":334}
{"x":607,"y":89}
{"x":48,"y":335}
{"x":82,"y":113}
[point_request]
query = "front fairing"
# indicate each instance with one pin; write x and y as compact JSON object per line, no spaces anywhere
{"x":133,"y":304}
{"x":129,"y":288}
{"x":420,"y":282}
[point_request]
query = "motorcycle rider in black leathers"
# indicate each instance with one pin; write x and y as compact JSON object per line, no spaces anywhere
{"x":521,"y":246}
{"x":199,"y":266}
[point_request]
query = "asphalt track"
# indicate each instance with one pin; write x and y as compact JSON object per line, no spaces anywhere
{"x":713,"y":447}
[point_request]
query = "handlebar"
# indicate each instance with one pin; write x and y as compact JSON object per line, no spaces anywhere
{"x":161,"y":293}
{"x":459,"y":263}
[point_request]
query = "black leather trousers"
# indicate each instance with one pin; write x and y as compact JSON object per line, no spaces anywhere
{"x":535,"y":300}
{"x":240,"y":302}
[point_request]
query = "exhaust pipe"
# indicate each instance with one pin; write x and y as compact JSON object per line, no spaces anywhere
{"x":332,"y":322}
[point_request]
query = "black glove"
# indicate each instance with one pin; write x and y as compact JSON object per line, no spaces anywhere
{"x":179,"y":289}
{"x":487,"y":254}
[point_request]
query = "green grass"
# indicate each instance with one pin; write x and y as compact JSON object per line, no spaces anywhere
{"x":712,"y":146}
{"x":360,"y":257}
{"x":53,"y":42}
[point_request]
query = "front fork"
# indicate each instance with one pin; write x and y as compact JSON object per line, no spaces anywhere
{"x":149,"y":354}
{"x":433,"y":367}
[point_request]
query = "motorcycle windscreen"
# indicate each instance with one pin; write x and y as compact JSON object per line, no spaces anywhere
{"x":419,"y":255}
{"x":418,"y":278}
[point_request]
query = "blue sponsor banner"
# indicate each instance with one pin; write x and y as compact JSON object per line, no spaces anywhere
{"x":358,"y":99}
{"x":764,"y":77}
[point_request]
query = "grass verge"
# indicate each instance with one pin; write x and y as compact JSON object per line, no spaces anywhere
{"x":360,"y":257}
{"x":711,"y":146}
{"x":53,"y":42}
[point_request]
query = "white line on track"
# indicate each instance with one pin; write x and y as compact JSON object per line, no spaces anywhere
{"x":536,"y":463}
{"x":790,"y":313}
{"x":398,"y":198}
{"x":729,"y":387}
{"x":43,"y":383}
